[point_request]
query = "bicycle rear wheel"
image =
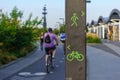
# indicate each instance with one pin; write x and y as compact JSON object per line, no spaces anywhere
{"x":48,"y":65}
{"x":52,"y":61}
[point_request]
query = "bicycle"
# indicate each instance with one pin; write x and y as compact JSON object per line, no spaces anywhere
{"x":50,"y":62}
{"x":75,"y":54}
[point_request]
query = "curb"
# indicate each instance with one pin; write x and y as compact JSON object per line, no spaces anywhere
{"x":19,"y":59}
{"x":10,"y":69}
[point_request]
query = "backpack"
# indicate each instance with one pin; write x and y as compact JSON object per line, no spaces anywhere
{"x":47,"y":39}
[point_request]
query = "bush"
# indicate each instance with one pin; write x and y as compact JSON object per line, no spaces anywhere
{"x":6,"y":58}
{"x":92,"y":38}
{"x":16,"y":37}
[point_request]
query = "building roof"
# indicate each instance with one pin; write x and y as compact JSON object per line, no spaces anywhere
{"x":115,"y":14}
{"x":102,"y":19}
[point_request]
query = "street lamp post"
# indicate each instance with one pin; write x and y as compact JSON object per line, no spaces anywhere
{"x":44,"y":13}
{"x":62,"y":20}
{"x":0,"y":14}
{"x":88,"y":1}
{"x":59,"y":26}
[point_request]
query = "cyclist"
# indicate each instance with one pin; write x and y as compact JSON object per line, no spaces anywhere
{"x":63,"y":39}
{"x":49,"y":39}
{"x":41,"y":40}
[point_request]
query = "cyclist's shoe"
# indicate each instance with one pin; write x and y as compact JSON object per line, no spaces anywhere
{"x":47,"y":69}
{"x":53,"y":57}
{"x":46,"y":64}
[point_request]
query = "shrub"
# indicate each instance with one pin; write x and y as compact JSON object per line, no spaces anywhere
{"x":6,"y":58}
{"x":92,"y":38}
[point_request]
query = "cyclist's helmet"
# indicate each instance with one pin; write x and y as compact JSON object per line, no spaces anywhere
{"x":62,"y":36}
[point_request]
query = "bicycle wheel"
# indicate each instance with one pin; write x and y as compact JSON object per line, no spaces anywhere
{"x":69,"y":57}
{"x":81,"y":57}
{"x":52,"y":61}
{"x":48,"y":65}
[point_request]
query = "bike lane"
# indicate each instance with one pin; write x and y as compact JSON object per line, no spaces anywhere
{"x":37,"y":71}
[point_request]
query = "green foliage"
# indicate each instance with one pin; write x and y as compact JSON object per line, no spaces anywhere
{"x":6,"y":58}
{"x":62,"y":29}
{"x":16,"y":37}
{"x":56,"y":31}
{"x":92,"y":38}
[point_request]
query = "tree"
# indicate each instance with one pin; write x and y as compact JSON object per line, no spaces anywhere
{"x":62,"y":29}
{"x":56,"y":31}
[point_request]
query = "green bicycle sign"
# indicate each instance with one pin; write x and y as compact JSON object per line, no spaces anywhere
{"x":76,"y":55}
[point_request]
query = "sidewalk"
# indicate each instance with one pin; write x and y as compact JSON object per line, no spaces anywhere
{"x":111,"y":47}
{"x":102,"y":65}
{"x":18,"y":65}
{"x":115,"y":46}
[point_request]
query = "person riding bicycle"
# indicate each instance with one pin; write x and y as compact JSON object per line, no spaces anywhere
{"x":49,"y":39}
{"x":41,"y":40}
{"x":63,"y":39}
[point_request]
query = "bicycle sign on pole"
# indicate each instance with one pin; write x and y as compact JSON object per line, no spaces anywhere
{"x":75,"y":55}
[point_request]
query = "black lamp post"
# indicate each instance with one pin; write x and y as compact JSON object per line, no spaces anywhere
{"x":62,"y":20}
{"x":44,"y":18}
{"x":0,"y":14}
{"x":88,"y":1}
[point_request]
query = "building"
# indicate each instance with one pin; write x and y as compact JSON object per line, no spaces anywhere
{"x":107,"y":27}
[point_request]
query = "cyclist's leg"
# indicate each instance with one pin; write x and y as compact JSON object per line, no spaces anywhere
{"x":47,"y":55}
{"x":53,"y":51}
{"x":64,"y":48}
{"x":63,"y":44}
{"x":41,"y":45}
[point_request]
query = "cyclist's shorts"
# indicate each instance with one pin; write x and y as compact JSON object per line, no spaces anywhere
{"x":50,"y":48}
{"x":63,"y":41}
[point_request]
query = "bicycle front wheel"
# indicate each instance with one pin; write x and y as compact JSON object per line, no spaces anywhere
{"x":48,"y":64}
{"x":81,"y":57}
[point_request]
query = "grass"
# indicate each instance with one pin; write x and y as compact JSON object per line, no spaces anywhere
{"x":6,"y":57}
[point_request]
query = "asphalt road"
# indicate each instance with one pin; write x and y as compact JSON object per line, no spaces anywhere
{"x":37,"y":71}
{"x":102,"y":64}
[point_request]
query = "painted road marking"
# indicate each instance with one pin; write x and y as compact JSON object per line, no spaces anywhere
{"x":56,"y":65}
{"x":40,"y":74}
{"x":29,"y":74}
{"x":61,"y":61}
{"x":24,"y":73}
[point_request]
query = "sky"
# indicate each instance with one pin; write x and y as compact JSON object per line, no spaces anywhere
{"x":56,"y":9}
{"x":100,"y":8}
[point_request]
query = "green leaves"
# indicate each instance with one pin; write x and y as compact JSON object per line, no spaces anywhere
{"x":16,"y":35}
{"x":15,"y":14}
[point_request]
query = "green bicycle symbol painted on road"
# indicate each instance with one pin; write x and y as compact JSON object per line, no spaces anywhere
{"x":75,"y":54}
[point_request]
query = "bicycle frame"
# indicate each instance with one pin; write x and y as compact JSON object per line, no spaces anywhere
{"x":50,"y":62}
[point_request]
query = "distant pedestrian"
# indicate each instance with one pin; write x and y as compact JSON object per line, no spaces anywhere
{"x":41,"y":40}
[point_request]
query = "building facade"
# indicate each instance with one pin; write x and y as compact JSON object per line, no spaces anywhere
{"x":107,"y":27}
